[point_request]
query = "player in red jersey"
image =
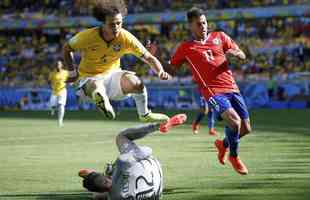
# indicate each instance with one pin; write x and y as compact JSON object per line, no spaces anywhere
{"x":205,"y":54}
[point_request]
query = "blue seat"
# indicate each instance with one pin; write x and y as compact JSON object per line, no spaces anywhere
{"x":278,"y":104}
{"x":297,"y":104}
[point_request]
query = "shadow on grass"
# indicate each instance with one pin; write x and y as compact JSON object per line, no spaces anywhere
{"x":248,"y":197}
{"x":56,"y":196}
{"x":126,"y":115}
{"x":263,"y":120}
{"x":179,"y":190}
{"x":79,"y":195}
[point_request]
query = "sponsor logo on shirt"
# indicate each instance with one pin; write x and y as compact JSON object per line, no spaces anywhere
{"x":216,"y":41}
{"x":116,"y":47}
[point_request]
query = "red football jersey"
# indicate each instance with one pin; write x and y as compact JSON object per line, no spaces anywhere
{"x":208,"y":63}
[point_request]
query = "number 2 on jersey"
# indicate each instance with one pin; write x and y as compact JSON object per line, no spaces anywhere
{"x":209,"y":55}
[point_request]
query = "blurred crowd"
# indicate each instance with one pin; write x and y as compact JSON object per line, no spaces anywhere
{"x":276,"y":49}
{"x":83,"y":7}
{"x":139,"y":6}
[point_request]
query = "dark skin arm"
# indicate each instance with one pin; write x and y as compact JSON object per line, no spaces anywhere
{"x":170,"y":69}
{"x":68,"y":63}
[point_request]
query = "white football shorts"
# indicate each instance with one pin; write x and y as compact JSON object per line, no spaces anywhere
{"x":60,"y":99}
{"x":111,"y":83}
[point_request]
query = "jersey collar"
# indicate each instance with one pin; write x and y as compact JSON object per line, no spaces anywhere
{"x":200,"y":42}
{"x":101,"y":36}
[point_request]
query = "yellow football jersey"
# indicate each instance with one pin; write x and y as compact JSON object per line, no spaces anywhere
{"x":98,"y":56}
{"x":58,"y":81}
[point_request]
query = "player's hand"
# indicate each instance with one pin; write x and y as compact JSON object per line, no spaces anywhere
{"x":163,"y":75}
{"x":73,"y":76}
{"x":151,"y":47}
{"x":237,"y":53}
{"x":72,"y":79}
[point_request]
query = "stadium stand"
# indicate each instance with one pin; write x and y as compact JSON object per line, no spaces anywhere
{"x":83,"y":7}
{"x":277,"y":47}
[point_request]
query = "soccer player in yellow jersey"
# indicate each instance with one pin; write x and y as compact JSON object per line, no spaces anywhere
{"x":58,"y":98}
{"x":99,"y":74}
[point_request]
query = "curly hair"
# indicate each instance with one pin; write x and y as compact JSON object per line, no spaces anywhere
{"x":104,"y":8}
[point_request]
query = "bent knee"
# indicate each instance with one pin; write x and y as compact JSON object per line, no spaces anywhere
{"x":131,"y":84}
{"x":246,"y":130}
{"x":235,"y":125}
{"x":138,"y":86}
{"x":233,"y":120}
{"x":89,"y":87}
{"x":245,"y":127}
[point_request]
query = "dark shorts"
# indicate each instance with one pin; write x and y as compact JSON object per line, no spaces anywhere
{"x":202,"y":102}
{"x":222,"y":102}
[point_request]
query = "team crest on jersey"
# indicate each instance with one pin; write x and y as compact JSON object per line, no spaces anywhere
{"x":116,"y":47}
{"x":216,"y":41}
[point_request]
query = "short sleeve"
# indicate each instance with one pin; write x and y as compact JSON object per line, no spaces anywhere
{"x":178,"y":58}
{"x":77,"y":42}
{"x":134,"y":46}
{"x":228,"y":43}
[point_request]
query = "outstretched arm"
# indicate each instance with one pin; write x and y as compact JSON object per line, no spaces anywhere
{"x":171,"y":69}
{"x":125,"y":138}
{"x":237,"y":53}
{"x":156,"y":65}
{"x":231,"y":47}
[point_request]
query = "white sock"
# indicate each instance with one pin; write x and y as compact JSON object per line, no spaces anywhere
{"x":141,"y":102}
{"x":61,"y":114}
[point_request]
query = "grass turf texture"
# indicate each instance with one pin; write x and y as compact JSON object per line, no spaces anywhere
{"x":38,"y":160}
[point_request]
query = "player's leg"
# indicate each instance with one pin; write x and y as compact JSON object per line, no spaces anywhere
{"x":61,"y":103}
{"x":222,"y":104}
{"x":196,"y":123}
{"x":240,"y":108}
{"x":245,"y":127}
{"x":239,"y":105}
{"x":52,"y":104}
{"x":95,"y":89}
{"x":211,"y":122}
{"x":201,"y":114}
{"x":232,"y":132}
{"x":172,"y":122}
{"x":131,"y":84}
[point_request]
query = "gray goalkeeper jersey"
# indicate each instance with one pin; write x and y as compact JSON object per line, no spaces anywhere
{"x":137,"y":176}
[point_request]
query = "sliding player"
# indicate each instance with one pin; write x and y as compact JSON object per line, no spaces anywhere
{"x":99,"y":75}
{"x":59,"y":92}
{"x":205,"y":53}
{"x":136,"y":174}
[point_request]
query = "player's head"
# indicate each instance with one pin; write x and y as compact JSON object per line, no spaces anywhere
{"x":197,"y":22}
{"x":59,"y":65}
{"x":95,"y":182}
{"x":110,"y":13}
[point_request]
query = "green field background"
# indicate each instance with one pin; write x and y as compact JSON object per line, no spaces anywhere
{"x":40,"y":161}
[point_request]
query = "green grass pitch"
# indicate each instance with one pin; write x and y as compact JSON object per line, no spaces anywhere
{"x":40,"y":161}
